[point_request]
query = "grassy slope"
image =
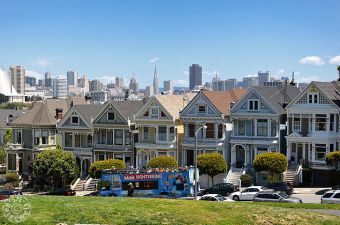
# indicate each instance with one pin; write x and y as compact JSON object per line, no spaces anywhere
{"x":70,"y":210}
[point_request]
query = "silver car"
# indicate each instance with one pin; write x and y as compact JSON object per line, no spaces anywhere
{"x":274,"y":196}
{"x":331,"y":197}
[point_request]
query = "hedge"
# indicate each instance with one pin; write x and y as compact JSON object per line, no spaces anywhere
{"x":272,"y":162}
{"x":246,"y":180}
{"x":333,"y":159}
{"x":97,"y":167}
{"x":164,"y":162}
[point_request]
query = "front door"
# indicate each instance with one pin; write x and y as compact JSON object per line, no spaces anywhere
{"x":240,"y":156}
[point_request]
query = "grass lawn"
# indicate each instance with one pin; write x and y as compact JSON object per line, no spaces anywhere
{"x":110,"y":210}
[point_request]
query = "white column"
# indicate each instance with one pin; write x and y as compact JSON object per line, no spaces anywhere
{"x":289,"y":149}
{"x":313,"y":152}
{"x":303,"y":150}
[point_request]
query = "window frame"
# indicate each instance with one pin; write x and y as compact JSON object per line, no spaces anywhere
{"x":108,"y":117}
{"x":71,"y":121}
{"x":251,"y":102}
{"x":199,"y":111}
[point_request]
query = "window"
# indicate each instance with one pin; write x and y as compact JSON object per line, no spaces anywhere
{"x":331,"y":147}
{"x":273,"y":128}
{"x":89,"y":140}
{"x":261,"y":150}
{"x":154,"y":112}
{"x":210,"y":132}
{"x":253,"y":105}
{"x":162,"y":133}
{"x":109,"y":138}
{"x":83,"y":140}
{"x":118,"y":137}
{"x":172,"y":134}
{"x":110,"y":116}
{"x":331,"y":124}
{"x":262,"y":127}
{"x":336,"y":195}
{"x":12,"y":161}
{"x":320,"y":152}
{"x":68,"y":140}
{"x":19,"y":138}
{"x":37,"y":137}
{"x":201,"y":109}
{"x":327,"y":195}
{"x":297,"y":122}
{"x":76,"y":140}
{"x":44,"y":137}
{"x":146,"y":133}
{"x":102,"y":136}
{"x":313,"y":98}
{"x":52,"y":137}
{"x":127,"y":137}
{"x":320,"y":122}
{"x":74,"y":120}
{"x":191,"y":130}
{"x":220,"y":131}
{"x":241,"y":127}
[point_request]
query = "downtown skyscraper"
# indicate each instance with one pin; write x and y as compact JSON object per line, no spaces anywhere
{"x":155,"y":83}
{"x":195,"y":76}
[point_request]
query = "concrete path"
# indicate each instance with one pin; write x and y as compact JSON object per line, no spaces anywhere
{"x":325,"y":211}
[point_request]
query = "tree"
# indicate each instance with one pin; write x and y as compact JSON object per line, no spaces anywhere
{"x":56,"y":166}
{"x":211,"y":164}
{"x":164,"y":162}
{"x":8,"y":136}
{"x":97,"y":167}
{"x":272,"y":162}
{"x":333,"y":159}
{"x":3,"y":156}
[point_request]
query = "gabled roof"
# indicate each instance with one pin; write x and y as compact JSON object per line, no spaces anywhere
{"x":8,"y":115}
{"x":88,"y":111}
{"x":43,"y":113}
{"x":330,"y":89}
{"x":222,"y":99}
{"x":128,"y":108}
{"x":275,"y":95}
{"x":175,"y":103}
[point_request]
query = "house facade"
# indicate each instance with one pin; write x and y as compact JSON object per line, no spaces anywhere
{"x":159,"y":128}
{"x":6,"y":117}
{"x":114,"y":132}
{"x":210,"y":109}
{"x":75,"y":129}
{"x":258,"y":120}
{"x":313,"y":128}
{"x":35,"y":131}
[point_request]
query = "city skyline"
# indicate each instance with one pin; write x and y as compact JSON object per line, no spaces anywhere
{"x":231,"y":39}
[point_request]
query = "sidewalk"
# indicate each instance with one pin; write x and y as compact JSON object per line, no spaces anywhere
{"x":311,"y":190}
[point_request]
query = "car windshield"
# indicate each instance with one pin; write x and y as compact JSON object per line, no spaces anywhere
{"x":327,"y":195}
{"x":283,"y":195}
{"x":220,"y":197}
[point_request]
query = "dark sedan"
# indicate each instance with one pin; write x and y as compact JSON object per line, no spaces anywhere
{"x":224,"y":189}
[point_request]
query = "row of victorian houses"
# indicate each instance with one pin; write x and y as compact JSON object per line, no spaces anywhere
{"x":239,"y":125}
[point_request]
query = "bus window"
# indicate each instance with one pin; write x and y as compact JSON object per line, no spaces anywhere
{"x":115,"y":181}
{"x":105,"y":185}
{"x":142,"y":185}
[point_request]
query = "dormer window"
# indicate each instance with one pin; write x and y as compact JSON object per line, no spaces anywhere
{"x":74,"y":120}
{"x":202,"y":109}
{"x":313,"y":98}
{"x":253,"y":105}
{"x":110,"y":116}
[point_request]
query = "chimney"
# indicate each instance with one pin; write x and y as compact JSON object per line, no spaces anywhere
{"x":58,"y":113}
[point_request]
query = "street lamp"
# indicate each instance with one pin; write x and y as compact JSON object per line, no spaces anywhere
{"x":196,"y":174}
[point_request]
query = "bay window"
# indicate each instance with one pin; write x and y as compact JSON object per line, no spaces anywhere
{"x":76,"y":140}
{"x":320,"y":152}
{"x":68,"y":140}
{"x":220,"y":131}
{"x":297,"y":122}
{"x":273,"y":128}
{"x":118,"y":136}
{"x":127,"y":137}
{"x":210,"y":131}
{"x":44,"y":137}
{"x":109,"y":138}
{"x":262,"y":127}
{"x":241,"y":127}
{"x":52,"y":137}
{"x":172,"y":134}
{"x":36,"y":138}
{"x":162,"y":133}
{"x":320,"y":122}
{"x":191,"y":130}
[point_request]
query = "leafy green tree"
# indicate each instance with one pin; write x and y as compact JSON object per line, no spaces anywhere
{"x":333,"y":159}
{"x":164,"y":162}
{"x":3,"y":156}
{"x":56,"y":166}
{"x":211,"y":164}
{"x":272,"y":162}
{"x":8,"y":136}
{"x":97,"y":167}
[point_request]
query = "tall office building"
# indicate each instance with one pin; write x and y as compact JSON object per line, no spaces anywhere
{"x":155,"y":83}
{"x":17,"y":74}
{"x":59,"y":88}
{"x":134,"y":85}
{"x":195,"y":76}
{"x":119,"y":82}
{"x":215,"y":82}
{"x":168,"y":86}
{"x":72,"y":78}
{"x":84,"y":83}
{"x":148,"y":91}
{"x":263,"y":77}
{"x":32,"y":81}
{"x":96,"y":85}
{"x":48,"y":79}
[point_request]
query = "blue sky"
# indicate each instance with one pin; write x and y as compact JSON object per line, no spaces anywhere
{"x":104,"y":39}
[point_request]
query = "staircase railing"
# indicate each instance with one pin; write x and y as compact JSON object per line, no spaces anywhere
{"x":243,"y":171}
{"x":74,"y":183}
{"x":226,"y":180}
{"x":298,"y":174}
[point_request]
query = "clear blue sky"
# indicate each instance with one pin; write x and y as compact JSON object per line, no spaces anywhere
{"x":234,"y":38}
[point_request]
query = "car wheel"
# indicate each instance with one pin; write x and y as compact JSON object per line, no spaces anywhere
{"x":227,"y":194}
{"x":236,"y":198}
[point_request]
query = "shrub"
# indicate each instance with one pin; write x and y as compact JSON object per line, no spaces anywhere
{"x":211,"y":164}
{"x":97,"y":167}
{"x":3,"y":156}
{"x":164,"y":162}
{"x":272,"y":162}
{"x":12,"y":178}
{"x":246,"y":180}
{"x":333,"y":159}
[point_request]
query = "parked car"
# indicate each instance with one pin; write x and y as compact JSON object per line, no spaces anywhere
{"x":281,"y":186}
{"x":62,"y":192}
{"x":10,"y":192}
{"x":331,"y":197}
{"x":275,"y":196}
{"x":224,"y":189}
{"x":337,"y":187}
{"x":215,"y":197}
{"x":247,"y":194}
